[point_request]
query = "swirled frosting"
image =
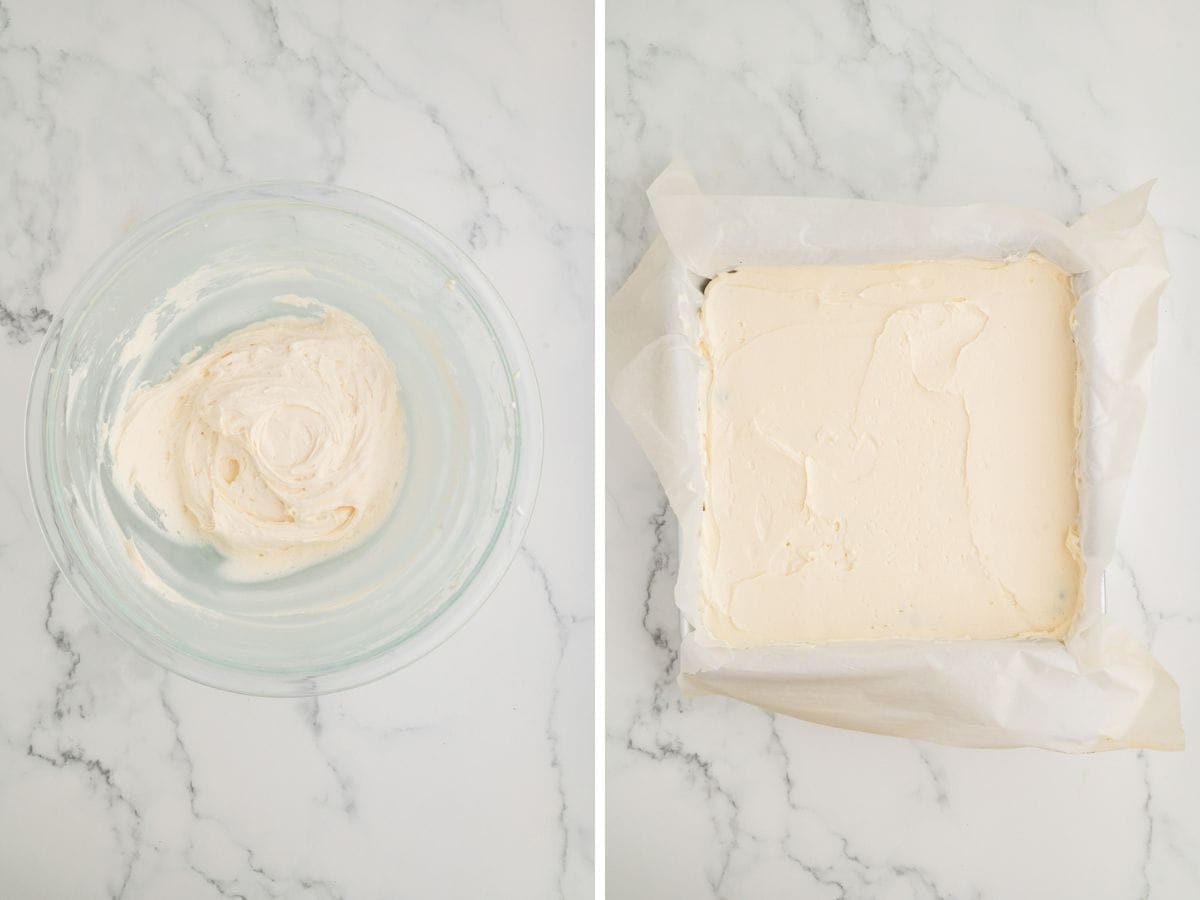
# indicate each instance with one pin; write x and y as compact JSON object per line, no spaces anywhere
{"x":282,"y":445}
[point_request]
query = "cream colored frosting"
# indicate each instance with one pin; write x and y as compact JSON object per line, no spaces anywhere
{"x":891,"y":452}
{"x":282,"y":445}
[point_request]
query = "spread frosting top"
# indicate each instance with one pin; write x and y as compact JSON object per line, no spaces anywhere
{"x":890,"y":452}
{"x":282,"y":445}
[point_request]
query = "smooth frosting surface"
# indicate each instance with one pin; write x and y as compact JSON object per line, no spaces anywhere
{"x":891,"y":452}
{"x":283,"y":444}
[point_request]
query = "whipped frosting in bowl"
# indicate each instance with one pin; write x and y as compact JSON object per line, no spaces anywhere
{"x":281,"y":445}
{"x":284,"y":439}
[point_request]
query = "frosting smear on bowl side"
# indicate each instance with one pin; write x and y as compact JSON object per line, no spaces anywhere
{"x":282,"y":445}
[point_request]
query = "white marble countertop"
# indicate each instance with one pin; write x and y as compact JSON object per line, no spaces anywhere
{"x":1058,"y":106}
{"x":468,"y":774}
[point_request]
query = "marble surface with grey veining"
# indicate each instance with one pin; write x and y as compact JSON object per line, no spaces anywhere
{"x":1057,"y":106}
{"x":468,"y":774}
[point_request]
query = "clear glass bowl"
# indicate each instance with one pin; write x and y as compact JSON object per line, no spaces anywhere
{"x":214,"y":264}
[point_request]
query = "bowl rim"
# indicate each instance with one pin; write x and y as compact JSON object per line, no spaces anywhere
{"x":501,"y":547}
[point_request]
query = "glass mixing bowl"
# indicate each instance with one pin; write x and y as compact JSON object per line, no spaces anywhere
{"x":212,"y":265}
